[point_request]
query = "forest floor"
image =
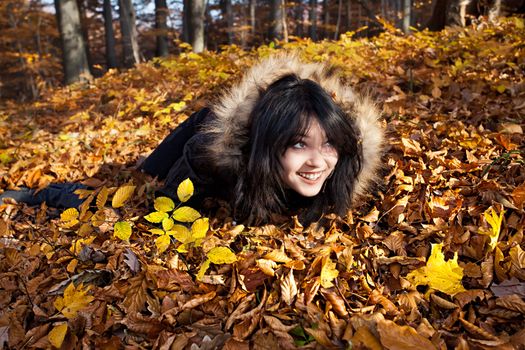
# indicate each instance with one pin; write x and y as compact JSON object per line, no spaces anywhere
{"x":433,"y":258}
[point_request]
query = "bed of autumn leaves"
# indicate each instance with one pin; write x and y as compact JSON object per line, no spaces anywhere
{"x":432,"y":258}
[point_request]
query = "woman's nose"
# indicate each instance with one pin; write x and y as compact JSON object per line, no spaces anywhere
{"x":315,"y":158}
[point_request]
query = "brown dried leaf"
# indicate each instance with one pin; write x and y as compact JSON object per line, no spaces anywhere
{"x":443,"y":303}
{"x":475,"y":330}
{"x":277,"y":255}
{"x":135,"y":294}
{"x":288,"y":288}
{"x":512,"y":302}
{"x":395,"y":337}
{"x":172,"y":280}
{"x":199,"y":300}
{"x":364,"y":337}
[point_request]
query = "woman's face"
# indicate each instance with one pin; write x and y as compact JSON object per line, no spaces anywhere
{"x":309,"y":162}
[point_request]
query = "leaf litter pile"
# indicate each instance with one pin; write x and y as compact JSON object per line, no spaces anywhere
{"x":432,"y":258}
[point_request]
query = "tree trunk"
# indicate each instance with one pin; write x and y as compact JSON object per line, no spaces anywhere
{"x":81,"y":4}
{"x":186,"y":18}
{"x":161,"y":24}
{"x":438,"y":18}
{"x":196,"y":25}
{"x":128,"y":28}
{"x":456,"y":12}
{"x":407,"y":5}
{"x":227,"y":15}
{"x":494,"y":11}
{"x":276,"y":20}
{"x":76,"y":67}
{"x":252,"y":18}
{"x":313,"y":19}
{"x":111,"y":56}
{"x":326,"y":21}
{"x":298,"y":18}
{"x":348,"y":15}
{"x":338,"y":24}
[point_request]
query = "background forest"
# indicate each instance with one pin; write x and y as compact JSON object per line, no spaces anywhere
{"x":432,"y":258}
{"x":97,"y":35}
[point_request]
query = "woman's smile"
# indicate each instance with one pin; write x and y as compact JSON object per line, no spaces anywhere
{"x":308,"y":163}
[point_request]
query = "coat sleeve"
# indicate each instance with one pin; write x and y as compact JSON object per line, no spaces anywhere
{"x":172,"y":148}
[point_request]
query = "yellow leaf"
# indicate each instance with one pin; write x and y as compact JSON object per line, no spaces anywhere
{"x":74,"y":299}
{"x":277,"y":255}
{"x":221,"y":255}
{"x":495,"y":224}
{"x":156,"y":216}
{"x":69,"y":214}
{"x":102,"y":197}
{"x":181,"y":233}
{"x":164,"y":204}
{"x":122,"y":230}
{"x":157,"y":231}
{"x":439,"y":274}
{"x":57,"y":335}
{"x":162,"y":243}
{"x":328,"y":272}
{"x":167,"y":224}
{"x":185,"y":190}
{"x":186,"y":214}
{"x":204,"y":267}
{"x":122,"y":195}
{"x":77,"y":245}
{"x":199,"y":228}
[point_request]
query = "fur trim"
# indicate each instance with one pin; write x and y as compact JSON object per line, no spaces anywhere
{"x":230,"y":132}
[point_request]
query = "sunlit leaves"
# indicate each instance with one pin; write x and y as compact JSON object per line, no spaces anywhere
{"x":221,"y":255}
{"x":69,"y":218}
{"x":162,"y":243}
{"x":156,"y":217}
{"x":122,"y":194}
{"x":164,"y":204}
{"x":122,"y":230}
{"x":185,"y":190}
{"x":328,"y":272}
{"x":199,"y":228}
{"x":439,"y":274}
{"x":74,"y":300}
{"x":494,"y":220}
{"x":57,"y":334}
{"x":186,"y":214}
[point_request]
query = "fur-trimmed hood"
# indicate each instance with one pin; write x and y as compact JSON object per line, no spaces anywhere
{"x":233,"y":110}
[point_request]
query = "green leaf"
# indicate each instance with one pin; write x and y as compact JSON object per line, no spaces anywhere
{"x":186,"y":214}
{"x":156,"y":216}
{"x":164,"y":204}
{"x":122,"y":230}
{"x":185,"y":190}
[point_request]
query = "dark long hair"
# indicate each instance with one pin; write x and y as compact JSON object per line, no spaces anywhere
{"x":282,"y":114}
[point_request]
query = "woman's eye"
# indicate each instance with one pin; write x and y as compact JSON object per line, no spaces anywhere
{"x":299,"y":145}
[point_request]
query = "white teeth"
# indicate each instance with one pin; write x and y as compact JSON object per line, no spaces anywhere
{"x":310,"y":176}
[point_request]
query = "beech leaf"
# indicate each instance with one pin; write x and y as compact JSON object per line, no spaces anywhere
{"x":122,"y":230}
{"x":328,"y":272}
{"x":164,"y":204}
{"x":186,"y":214}
{"x":122,"y":194}
{"x":185,"y":190}
{"x":162,"y":243}
{"x":221,"y":255}
{"x":74,"y":299}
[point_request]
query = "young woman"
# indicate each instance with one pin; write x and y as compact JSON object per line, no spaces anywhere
{"x":289,"y":138}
